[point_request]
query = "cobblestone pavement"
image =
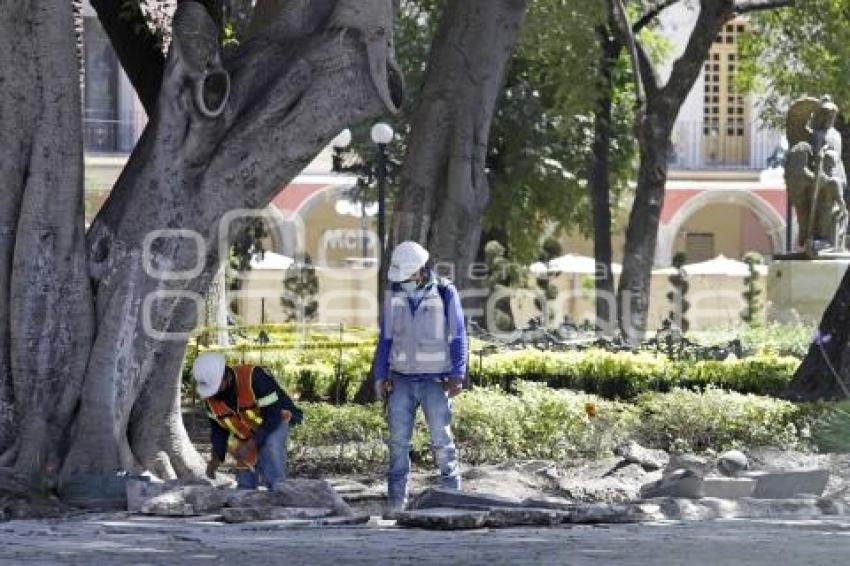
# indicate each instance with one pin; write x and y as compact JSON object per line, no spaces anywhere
{"x":101,"y":540}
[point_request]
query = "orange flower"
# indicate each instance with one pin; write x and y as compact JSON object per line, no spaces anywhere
{"x":591,"y":409}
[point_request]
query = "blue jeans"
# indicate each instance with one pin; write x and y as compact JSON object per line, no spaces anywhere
{"x":407,"y":394}
{"x":271,"y":461}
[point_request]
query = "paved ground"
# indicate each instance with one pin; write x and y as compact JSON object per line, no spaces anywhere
{"x":137,"y":541}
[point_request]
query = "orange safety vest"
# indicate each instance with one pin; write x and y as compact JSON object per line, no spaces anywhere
{"x":245,"y":419}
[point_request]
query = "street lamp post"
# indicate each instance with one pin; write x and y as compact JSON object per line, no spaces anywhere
{"x":382,"y":135}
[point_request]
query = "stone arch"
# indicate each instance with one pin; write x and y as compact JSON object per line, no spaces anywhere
{"x":770,"y":219}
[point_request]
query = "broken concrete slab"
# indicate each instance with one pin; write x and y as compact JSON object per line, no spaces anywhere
{"x":442,"y":497}
{"x":442,"y":518}
{"x":556,"y":503}
{"x":325,"y":522}
{"x":649,"y":459}
{"x":310,"y":493}
{"x":247,"y":514}
{"x":732,"y":462}
{"x":502,"y":517}
{"x":791,"y":484}
{"x":614,"y":513}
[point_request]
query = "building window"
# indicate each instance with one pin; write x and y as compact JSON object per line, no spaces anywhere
{"x":725,"y":129}
{"x":699,"y":247}
{"x":100,"y":115}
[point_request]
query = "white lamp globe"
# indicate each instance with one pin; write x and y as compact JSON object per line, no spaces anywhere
{"x":342,"y":140}
{"x":382,"y":133}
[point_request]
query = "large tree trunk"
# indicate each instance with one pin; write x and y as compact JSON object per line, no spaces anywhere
{"x":654,"y":127}
{"x":824,"y":373}
{"x":444,"y":186}
{"x":222,"y":139}
{"x":599,"y":186}
{"x":46,"y":322}
{"x":642,"y":231}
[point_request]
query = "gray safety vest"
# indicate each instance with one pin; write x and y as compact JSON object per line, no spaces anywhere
{"x":420,"y":339}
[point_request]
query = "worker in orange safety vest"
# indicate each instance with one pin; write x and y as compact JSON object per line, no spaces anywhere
{"x":250,"y":416}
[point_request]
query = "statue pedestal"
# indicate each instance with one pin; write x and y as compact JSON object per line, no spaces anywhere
{"x":802,"y":289}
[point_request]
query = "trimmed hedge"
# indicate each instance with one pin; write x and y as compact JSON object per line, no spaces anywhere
{"x":537,"y":422}
{"x":627,"y":375}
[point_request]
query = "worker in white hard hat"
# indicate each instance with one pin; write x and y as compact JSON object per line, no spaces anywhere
{"x":420,"y":360}
{"x":250,"y":416}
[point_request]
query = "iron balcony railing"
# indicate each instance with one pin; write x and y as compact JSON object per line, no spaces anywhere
{"x":711,"y":144}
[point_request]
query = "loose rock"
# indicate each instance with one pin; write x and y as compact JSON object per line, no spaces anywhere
{"x":246,"y":514}
{"x":311,"y":493}
{"x":647,"y":458}
{"x":500,"y":517}
{"x":732,"y":463}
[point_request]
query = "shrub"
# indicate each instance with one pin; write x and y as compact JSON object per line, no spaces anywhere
{"x":627,"y":375}
{"x":540,"y":423}
{"x":683,"y":420}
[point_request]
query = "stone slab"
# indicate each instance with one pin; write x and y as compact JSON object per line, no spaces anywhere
{"x":790,"y":484}
{"x":442,"y":518}
{"x":501,"y":517}
{"x":325,"y":522}
{"x":556,"y":503}
{"x":595,"y":513}
{"x":441,"y":497}
{"x":246,"y":514}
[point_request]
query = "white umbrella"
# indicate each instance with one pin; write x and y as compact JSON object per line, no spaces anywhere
{"x":271,"y":261}
{"x":721,"y":265}
{"x":573,"y":263}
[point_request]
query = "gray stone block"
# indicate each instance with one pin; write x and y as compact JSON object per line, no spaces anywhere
{"x":441,"y":497}
{"x":442,"y":518}
{"x":791,"y":484}
{"x":310,"y":493}
{"x":728,"y":488}
{"x":500,"y":517}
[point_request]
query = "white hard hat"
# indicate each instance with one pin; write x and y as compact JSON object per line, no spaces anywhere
{"x":208,"y":371}
{"x":408,"y":258}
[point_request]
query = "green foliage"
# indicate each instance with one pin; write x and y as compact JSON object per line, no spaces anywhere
{"x":541,"y":140}
{"x":753,"y":313}
{"x":627,"y":375}
{"x":799,"y":50}
{"x":491,"y":426}
{"x":716,"y":420}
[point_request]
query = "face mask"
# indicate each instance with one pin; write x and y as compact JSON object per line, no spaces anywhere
{"x":409,"y":286}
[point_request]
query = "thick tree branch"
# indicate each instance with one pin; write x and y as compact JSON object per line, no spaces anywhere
{"x":620,"y":21}
{"x":647,"y":18}
{"x":746,"y":6}
{"x":139,"y":49}
{"x":713,"y":15}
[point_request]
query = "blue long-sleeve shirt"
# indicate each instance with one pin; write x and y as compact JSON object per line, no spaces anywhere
{"x":272,"y":400}
{"x":456,"y":331}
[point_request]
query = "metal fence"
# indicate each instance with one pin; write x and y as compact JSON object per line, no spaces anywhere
{"x":695,"y":145}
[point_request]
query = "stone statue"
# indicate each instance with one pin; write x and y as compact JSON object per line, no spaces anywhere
{"x":815,"y":177}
